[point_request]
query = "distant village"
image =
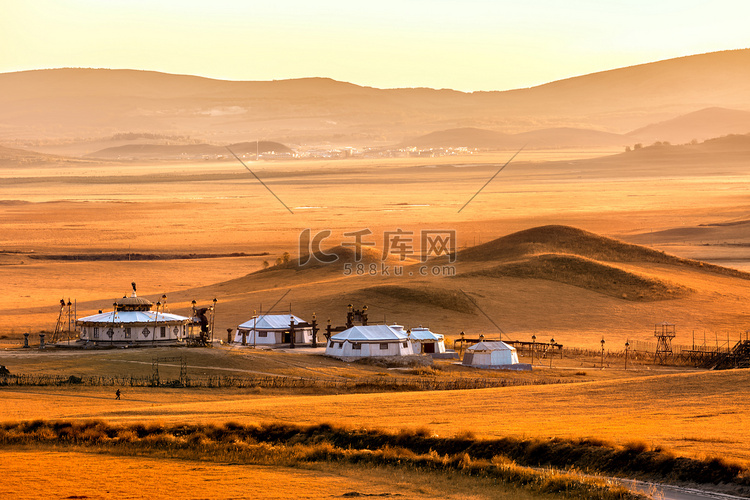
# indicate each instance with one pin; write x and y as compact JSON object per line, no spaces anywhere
{"x":338,"y":153}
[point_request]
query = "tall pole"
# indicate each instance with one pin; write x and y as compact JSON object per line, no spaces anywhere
{"x":627,"y":347}
{"x":602,"y":353}
{"x":314,"y":330}
{"x":192,"y":323}
{"x":114,"y":314}
{"x":551,"y":343}
{"x":533,"y":345}
{"x":156,"y":323}
{"x":213,"y":320}
{"x":70,"y":304}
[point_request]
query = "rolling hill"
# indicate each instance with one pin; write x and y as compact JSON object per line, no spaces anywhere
{"x":178,"y":151}
{"x":16,"y":156}
{"x":552,"y":138}
{"x":699,"y":125}
{"x":74,"y":102}
{"x":547,"y":279}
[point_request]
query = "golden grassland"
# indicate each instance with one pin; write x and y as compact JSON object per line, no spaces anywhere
{"x":695,"y":414}
{"x":114,"y":476}
{"x":281,"y":446}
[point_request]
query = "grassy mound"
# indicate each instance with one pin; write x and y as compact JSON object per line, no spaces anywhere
{"x":573,"y":241}
{"x":446,"y":299}
{"x":563,"y":239}
{"x":588,"y":274}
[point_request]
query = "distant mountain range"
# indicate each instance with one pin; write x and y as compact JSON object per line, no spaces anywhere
{"x":561,"y":137}
{"x":697,"y":126}
{"x":648,"y":101}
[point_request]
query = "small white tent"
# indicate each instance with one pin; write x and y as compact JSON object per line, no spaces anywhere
{"x":270,"y":329}
{"x":369,"y":341}
{"x":424,"y":341}
{"x":493,"y":354}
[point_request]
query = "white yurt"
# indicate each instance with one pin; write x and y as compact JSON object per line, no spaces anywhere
{"x":270,"y":329}
{"x":369,"y":341}
{"x":426,"y":342}
{"x":132,"y":322}
{"x":491,"y":354}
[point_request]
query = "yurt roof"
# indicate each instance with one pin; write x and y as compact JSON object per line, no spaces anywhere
{"x":271,"y":322}
{"x":133,"y":317}
{"x":425,"y":334}
{"x":133,"y":300}
{"x":370,"y":333}
{"x":492,"y":345}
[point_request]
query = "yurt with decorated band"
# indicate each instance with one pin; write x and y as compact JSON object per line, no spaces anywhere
{"x":134,"y":321}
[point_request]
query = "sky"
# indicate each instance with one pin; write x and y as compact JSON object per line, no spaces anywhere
{"x":466,"y":45}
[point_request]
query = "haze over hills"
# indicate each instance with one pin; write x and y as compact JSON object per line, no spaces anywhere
{"x":177,"y":151}
{"x":82,"y":103}
{"x":699,"y":125}
{"x":559,"y":137}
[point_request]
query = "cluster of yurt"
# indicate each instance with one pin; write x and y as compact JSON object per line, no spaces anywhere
{"x":133,"y":321}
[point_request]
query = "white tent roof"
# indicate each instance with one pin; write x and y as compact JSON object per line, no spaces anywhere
{"x":271,"y":322}
{"x":370,"y":333}
{"x":133,"y":317}
{"x":494,"y":345}
{"x":425,"y":334}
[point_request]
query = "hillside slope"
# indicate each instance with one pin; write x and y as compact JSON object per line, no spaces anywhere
{"x":699,"y":125}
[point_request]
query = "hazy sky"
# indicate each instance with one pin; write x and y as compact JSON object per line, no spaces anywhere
{"x":461,"y":44}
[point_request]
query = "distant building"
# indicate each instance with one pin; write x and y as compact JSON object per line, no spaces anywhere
{"x":369,"y":341}
{"x":132,"y":322}
{"x":271,"y":329}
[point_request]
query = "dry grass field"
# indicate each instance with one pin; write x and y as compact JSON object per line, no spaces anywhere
{"x":693,"y":414}
{"x":112,"y":477}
